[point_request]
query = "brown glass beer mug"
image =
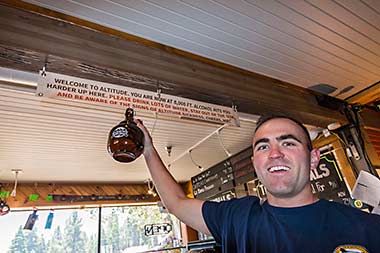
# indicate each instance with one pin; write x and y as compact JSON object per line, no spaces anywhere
{"x":126,"y":140}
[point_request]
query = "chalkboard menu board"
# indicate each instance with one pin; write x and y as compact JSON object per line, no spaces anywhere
{"x":243,"y":167}
{"x":227,"y":195}
{"x":327,"y":181}
{"x":216,"y":179}
{"x":224,"y":176}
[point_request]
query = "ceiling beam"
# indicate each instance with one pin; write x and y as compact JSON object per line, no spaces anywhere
{"x":29,"y":40}
{"x":367,"y":95}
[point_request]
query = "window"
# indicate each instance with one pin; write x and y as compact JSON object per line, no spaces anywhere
{"x":71,"y":231}
{"x":138,"y":228}
{"x":123,"y":229}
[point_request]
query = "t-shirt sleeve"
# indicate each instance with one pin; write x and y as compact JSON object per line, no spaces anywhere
{"x":216,"y":215}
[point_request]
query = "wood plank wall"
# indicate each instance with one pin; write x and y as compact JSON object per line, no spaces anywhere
{"x":372,"y":139}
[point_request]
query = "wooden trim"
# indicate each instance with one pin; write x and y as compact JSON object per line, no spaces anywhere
{"x":366,"y":96}
{"x":188,"y":234}
{"x":24,"y":190}
{"x":372,"y":145}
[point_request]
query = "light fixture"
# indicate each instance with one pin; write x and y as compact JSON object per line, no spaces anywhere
{"x":222,"y":144}
{"x":16,"y":172}
{"x":151,"y":188}
{"x":196,"y":164}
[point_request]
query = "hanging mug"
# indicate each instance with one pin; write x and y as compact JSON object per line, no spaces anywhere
{"x":126,"y":140}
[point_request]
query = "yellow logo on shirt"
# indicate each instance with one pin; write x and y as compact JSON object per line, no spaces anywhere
{"x":350,"y":249}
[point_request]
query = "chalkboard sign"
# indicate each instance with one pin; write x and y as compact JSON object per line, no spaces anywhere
{"x":216,"y":179}
{"x":327,"y":181}
{"x":227,"y":195}
{"x":224,"y":176}
{"x":243,"y":167}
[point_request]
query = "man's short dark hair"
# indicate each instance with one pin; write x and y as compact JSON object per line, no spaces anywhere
{"x":268,"y":117}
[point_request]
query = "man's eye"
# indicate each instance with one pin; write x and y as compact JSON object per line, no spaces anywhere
{"x":262,"y":147}
{"x":288,"y":144}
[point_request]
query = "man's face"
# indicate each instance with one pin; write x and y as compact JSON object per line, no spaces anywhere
{"x":281,"y":158}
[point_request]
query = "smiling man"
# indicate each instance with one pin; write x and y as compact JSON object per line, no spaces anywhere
{"x":283,"y":157}
{"x":291,"y":220}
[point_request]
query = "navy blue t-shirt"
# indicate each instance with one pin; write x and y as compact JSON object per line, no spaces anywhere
{"x":243,"y":225}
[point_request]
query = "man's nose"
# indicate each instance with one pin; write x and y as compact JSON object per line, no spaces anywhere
{"x":275,"y":152}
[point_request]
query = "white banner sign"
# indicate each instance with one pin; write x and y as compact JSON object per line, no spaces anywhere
{"x":367,"y":189}
{"x":65,"y":87}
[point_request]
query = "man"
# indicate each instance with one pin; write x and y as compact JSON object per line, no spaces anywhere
{"x":291,"y":220}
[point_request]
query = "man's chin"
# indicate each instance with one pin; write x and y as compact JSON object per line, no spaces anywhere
{"x":281,"y":194}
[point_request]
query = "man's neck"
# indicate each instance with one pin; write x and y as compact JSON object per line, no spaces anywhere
{"x":301,"y":199}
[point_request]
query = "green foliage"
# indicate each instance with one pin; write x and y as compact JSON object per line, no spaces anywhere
{"x":131,"y":233}
{"x":113,"y":235}
{"x":55,"y":245}
{"x":92,"y":244}
{"x":73,"y":236}
{"x":32,"y":241}
{"x":18,"y":243}
{"x":43,"y":246}
{"x":27,"y":241}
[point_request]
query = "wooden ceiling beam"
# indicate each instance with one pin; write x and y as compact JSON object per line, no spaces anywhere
{"x":29,"y":39}
{"x":367,"y":95}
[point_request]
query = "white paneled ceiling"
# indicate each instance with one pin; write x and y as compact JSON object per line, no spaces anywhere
{"x":303,"y":42}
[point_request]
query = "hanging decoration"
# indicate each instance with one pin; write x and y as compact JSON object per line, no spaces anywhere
{"x":49,"y":197}
{"x":31,"y":220}
{"x":4,"y":208}
{"x":49,"y":220}
{"x":4,"y":194}
{"x":34,"y":196}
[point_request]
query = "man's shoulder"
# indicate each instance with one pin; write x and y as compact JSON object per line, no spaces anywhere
{"x":241,"y":201}
{"x":235,"y":203}
{"x":351,"y":212}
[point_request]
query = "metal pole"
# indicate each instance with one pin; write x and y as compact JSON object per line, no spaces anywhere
{"x":99,"y":229}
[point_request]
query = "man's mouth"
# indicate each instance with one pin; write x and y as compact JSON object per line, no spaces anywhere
{"x":278,"y":169}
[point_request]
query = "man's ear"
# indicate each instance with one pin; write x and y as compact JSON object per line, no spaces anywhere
{"x":314,"y":158}
{"x":253,"y":165}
